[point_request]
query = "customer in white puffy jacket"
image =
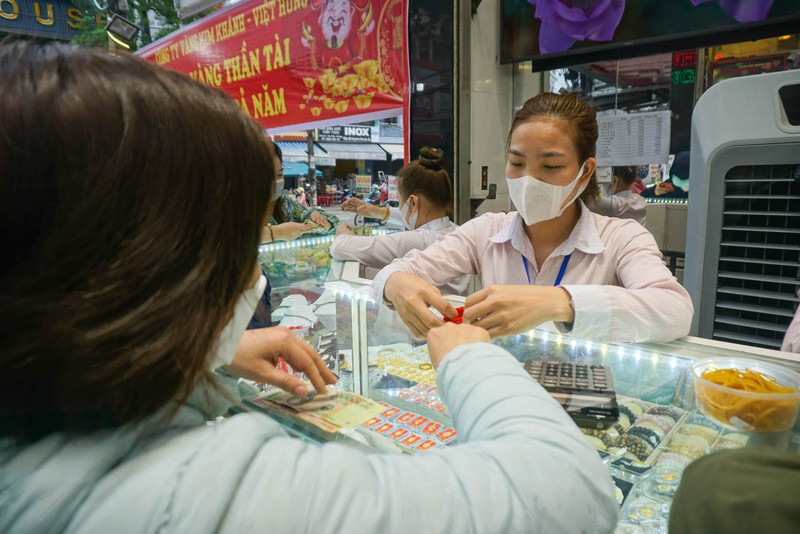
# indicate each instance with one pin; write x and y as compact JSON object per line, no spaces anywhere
{"x":135,"y":273}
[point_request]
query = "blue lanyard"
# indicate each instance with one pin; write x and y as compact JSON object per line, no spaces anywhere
{"x":561,"y":271}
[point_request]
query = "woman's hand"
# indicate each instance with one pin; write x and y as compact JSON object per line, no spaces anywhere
{"x":352,"y":204}
{"x":365,"y":209}
{"x":257,"y":357}
{"x":443,"y":339}
{"x":320,"y":220}
{"x":505,"y":310}
{"x":411,"y":297}
{"x":343,"y":229}
{"x":289,"y":231}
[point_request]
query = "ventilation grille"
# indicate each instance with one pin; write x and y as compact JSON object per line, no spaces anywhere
{"x":759,"y":262}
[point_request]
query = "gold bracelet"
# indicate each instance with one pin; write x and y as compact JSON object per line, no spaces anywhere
{"x":271,"y":235}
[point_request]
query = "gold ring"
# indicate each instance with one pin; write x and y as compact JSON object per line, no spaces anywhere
{"x":425,"y":366}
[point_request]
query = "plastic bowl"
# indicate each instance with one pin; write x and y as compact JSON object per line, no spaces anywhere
{"x":745,"y":410}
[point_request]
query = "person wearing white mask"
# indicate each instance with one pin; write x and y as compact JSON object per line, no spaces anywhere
{"x":289,"y":219}
{"x":134,"y":276}
{"x":552,"y":260}
{"x":426,"y":199}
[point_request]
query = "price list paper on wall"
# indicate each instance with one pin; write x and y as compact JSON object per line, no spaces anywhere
{"x":634,"y":139}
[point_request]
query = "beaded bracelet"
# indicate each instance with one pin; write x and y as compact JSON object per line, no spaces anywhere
{"x":664,"y":410}
{"x":638,"y":446}
{"x":650,"y":425}
{"x":662,"y":422}
{"x":644,"y":433}
{"x":628,"y":412}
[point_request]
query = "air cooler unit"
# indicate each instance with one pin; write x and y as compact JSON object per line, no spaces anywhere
{"x":743,"y":238}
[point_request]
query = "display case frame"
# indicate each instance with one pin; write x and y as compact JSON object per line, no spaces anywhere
{"x":652,"y":378}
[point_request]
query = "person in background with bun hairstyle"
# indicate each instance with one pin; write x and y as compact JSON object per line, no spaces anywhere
{"x":426,"y":200}
{"x":552,"y":260}
{"x":621,"y":201}
{"x":130,"y":274}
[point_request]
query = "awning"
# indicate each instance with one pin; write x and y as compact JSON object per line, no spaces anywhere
{"x":296,"y":168}
{"x":295,"y":151}
{"x":370,"y":151}
{"x":397,"y":151}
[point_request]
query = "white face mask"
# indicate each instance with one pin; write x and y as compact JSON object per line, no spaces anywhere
{"x":276,"y":194}
{"x":232,"y":334}
{"x":409,"y":222}
{"x":539,"y":201}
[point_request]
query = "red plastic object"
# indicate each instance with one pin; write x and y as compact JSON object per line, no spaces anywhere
{"x":457,"y":319}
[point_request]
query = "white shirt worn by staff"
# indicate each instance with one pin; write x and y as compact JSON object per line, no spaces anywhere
{"x":621,"y":290}
{"x":379,"y":251}
{"x":624,"y":205}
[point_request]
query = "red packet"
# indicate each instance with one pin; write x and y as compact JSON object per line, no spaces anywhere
{"x":391,"y":412}
{"x":384,"y":428}
{"x":441,"y":408}
{"x":406,"y":418}
{"x":411,"y":440}
{"x":419,"y":399}
{"x":406,"y":393}
{"x":372,"y":422}
{"x":421,"y":387}
{"x":399,"y":433}
{"x":432,"y":428}
{"x":418,"y":422}
{"x":425,"y":445}
{"x":458,"y":318}
{"x":432,"y":404}
{"x":447,"y":434}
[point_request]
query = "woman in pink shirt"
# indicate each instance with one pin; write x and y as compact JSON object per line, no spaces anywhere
{"x":552,"y":260}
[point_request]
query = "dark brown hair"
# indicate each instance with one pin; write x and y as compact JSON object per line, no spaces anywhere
{"x":132,"y":204}
{"x":577,"y":114}
{"x":626,"y":174}
{"x":427,"y":177}
{"x":277,"y":212}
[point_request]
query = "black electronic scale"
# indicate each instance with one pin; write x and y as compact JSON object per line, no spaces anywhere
{"x":585,"y":391}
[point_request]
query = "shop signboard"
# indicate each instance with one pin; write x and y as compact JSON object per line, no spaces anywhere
{"x":363,"y":184}
{"x":354,"y":133}
{"x":290,"y":67}
{"x":392,"y":189}
{"x":54,"y":19}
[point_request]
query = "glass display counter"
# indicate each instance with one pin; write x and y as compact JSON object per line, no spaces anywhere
{"x":303,"y":262}
{"x":658,"y":433}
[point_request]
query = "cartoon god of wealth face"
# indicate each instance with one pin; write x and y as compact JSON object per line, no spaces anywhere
{"x":335,"y":20}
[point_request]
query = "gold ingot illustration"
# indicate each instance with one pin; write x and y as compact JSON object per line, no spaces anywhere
{"x":302,"y":106}
{"x":341,"y":107}
{"x":316,"y":111}
{"x":327,"y":80}
{"x":309,"y":82}
{"x":350,"y":81}
{"x":329,"y":102}
{"x":363,"y":101}
{"x":366,"y":69}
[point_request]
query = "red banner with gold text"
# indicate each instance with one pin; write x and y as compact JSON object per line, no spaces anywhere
{"x":298,"y":64}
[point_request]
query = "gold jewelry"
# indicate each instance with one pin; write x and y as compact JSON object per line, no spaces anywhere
{"x":271,"y":235}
